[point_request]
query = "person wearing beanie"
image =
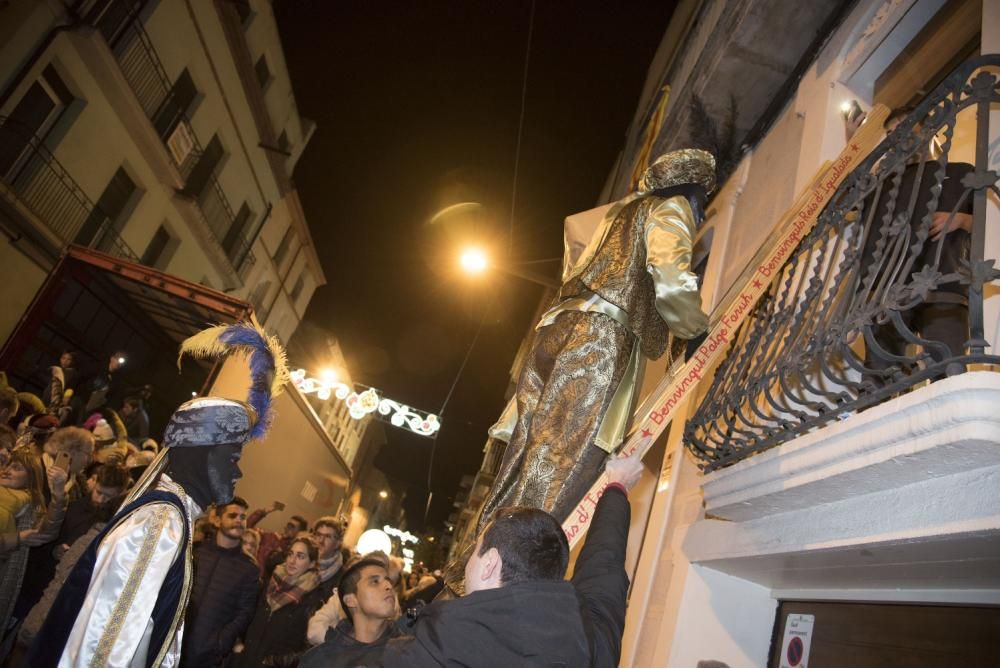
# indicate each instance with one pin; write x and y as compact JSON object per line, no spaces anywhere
{"x":110,"y":437}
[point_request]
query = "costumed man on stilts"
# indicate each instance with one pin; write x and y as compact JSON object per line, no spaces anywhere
{"x":632,"y":288}
{"x":123,"y":604}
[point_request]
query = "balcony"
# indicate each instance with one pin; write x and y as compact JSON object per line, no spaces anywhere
{"x":39,"y":188}
{"x":119,"y":22}
{"x":873,"y":304}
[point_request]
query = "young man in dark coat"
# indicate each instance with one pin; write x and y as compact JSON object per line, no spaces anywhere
{"x":518,"y":609}
{"x":224,"y":593}
{"x":369,"y":601}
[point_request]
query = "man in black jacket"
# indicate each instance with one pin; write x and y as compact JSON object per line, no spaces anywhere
{"x":367,"y":596}
{"x":224,"y":593}
{"x":518,"y":610}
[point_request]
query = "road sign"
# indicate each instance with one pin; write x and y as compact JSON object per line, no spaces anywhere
{"x":798,"y":636}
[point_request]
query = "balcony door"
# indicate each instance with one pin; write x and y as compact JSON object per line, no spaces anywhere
{"x":30,"y":121}
{"x":105,"y":222}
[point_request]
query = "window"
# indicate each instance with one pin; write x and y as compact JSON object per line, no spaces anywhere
{"x":32,"y":118}
{"x":102,"y":226}
{"x":259,"y":295}
{"x":159,"y":250}
{"x":297,"y":288}
{"x":235,"y":243}
{"x":948,"y":39}
{"x":282,"y":252}
{"x":176,"y":106}
{"x":204,"y":169}
{"x":113,"y":20}
{"x":263,"y":72}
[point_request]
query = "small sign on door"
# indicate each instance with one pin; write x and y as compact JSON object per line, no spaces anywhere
{"x":795,"y":646}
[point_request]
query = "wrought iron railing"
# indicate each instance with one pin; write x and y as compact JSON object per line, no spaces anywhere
{"x":33,"y":177}
{"x":875,"y":300}
{"x":120,"y":23}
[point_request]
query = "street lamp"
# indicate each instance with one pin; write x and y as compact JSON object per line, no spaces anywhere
{"x":383,"y":494}
{"x":474,"y":261}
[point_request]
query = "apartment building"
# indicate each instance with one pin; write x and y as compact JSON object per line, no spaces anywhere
{"x":818,"y":498}
{"x":163,"y":132}
{"x":809,"y":498}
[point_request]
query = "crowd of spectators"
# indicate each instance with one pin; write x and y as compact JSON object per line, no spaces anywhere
{"x":69,"y":455}
{"x":294,"y":597}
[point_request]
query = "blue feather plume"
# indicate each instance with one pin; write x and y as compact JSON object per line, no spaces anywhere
{"x":265,"y":356}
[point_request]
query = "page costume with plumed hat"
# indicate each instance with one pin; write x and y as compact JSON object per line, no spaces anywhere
{"x":124,"y":602}
{"x":632,"y":287}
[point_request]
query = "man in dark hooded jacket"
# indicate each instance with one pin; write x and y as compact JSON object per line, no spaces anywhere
{"x":518,"y":610}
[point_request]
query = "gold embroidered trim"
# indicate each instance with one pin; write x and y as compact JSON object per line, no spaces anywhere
{"x":127,"y":597}
{"x":182,"y":604}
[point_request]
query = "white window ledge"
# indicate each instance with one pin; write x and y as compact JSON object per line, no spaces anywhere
{"x":941,"y":429}
{"x":905,"y":495}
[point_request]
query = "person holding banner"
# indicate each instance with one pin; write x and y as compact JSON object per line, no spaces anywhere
{"x":518,"y":610}
{"x":630,"y":290}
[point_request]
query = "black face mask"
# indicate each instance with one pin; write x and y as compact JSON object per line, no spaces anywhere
{"x":208,"y":474}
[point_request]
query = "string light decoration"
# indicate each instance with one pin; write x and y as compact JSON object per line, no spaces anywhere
{"x":367,"y":402}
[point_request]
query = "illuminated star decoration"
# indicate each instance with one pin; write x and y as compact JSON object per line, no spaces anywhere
{"x":367,"y":402}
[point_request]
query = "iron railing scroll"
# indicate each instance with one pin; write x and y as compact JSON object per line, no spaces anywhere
{"x":866,"y":305}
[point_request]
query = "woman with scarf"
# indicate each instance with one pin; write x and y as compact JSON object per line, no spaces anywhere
{"x":277,"y":634}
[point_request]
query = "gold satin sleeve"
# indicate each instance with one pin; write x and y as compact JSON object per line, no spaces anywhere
{"x":670,"y":234}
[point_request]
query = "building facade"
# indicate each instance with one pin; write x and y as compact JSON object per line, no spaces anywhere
{"x":806,"y":499}
{"x":819,"y":496}
{"x":161,"y":131}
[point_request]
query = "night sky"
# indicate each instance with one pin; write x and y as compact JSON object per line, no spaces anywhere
{"x":417,"y":107}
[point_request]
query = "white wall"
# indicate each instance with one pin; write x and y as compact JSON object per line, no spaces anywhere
{"x":679,"y":612}
{"x":725,"y":619}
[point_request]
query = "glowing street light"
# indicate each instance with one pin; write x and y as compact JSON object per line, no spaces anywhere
{"x":383,"y":494}
{"x":474,"y":260}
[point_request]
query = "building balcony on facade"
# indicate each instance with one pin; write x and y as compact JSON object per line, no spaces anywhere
{"x":43,"y":200}
{"x":146,"y":106}
{"x":165,"y":105}
{"x":841,"y":461}
{"x":842,"y":455}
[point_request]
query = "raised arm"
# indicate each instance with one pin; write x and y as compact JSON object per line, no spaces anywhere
{"x":670,"y":233}
{"x":599,"y":576}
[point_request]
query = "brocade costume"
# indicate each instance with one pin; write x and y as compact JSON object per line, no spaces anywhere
{"x":631,"y":288}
